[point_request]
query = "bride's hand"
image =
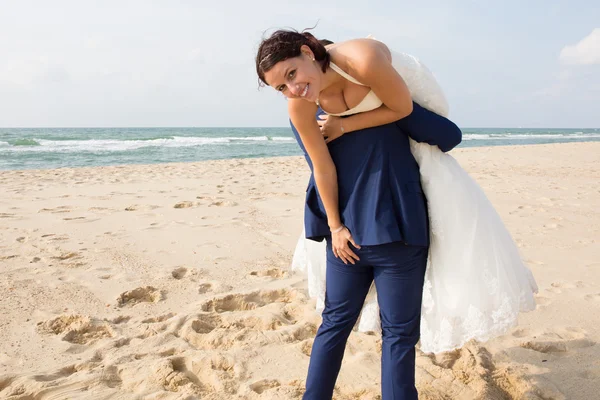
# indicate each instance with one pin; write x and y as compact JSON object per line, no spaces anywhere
{"x":331,"y":127}
{"x":339,"y":244}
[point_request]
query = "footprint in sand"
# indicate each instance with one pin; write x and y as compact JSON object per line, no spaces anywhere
{"x":552,"y":226}
{"x":173,"y":374}
{"x":68,"y":256}
{"x":306,"y":347}
{"x":147,"y":294}
{"x":212,"y":286}
{"x":111,"y":376}
{"x":120,"y":319}
{"x":223,"y":203}
{"x":205,"y":324}
{"x":246,"y":329}
{"x":7,"y":215}
{"x":448,"y":359}
{"x":154,"y":225}
{"x":542,"y":301}
{"x":52,"y":386}
{"x":520,"y":332}
{"x":220,"y":362}
{"x":184,"y":204}
{"x":76,"y":329}
{"x":72,"y":258}
{"x":179,"y":273}
{"x":168,"y":353}
{"x":141,"y":207}
{"x":559,"y":341}
{"x":250,"y":301}
{"x":276,"y":273}
{"x":6,"y":381}
{"x":150,"y":330}
{"x":592,"y":297}
{"x":101,"y":209}
{"x":60,"y":374}
{"x":216,"y":201}
{"x":555,"y":287}
{"x":56,"y":238}
{"x":212,"y":373}
{"x":205,"y":288}
{"x":545,"y":346}
{"x":264,"y":385}
{"x":263,"y":322}
{"x":568,"y":285}
{"x":472,"y":372}
{"x":72,"y":218}
{"x":520,"y":208}
{"x":57,"y":210}
{"x":161,"y":318}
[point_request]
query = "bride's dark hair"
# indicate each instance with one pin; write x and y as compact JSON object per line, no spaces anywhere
{"x":284,"y":44}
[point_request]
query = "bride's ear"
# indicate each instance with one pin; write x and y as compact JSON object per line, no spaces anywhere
{"x":307,"y":52}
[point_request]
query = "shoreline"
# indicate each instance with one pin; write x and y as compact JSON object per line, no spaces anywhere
{"x":175,"y":163}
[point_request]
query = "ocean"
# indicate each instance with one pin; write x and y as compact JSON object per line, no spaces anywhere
{"x":42,"y":148}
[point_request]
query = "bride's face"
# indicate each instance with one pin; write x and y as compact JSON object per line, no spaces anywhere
{"x":298,"y":77}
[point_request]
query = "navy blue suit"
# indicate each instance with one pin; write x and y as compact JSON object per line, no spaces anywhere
{"x":382,"y":204}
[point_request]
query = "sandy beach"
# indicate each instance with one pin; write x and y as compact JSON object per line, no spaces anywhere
{"x":172,"y":281}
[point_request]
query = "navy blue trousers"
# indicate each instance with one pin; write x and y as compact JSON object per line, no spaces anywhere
{"x":398,"y":271}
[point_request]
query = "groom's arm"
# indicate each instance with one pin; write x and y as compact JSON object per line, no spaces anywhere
{"x":422,"y":125}
{"x":426,"y":126}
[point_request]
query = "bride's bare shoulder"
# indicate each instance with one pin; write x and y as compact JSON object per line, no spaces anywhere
{"x":348,"y":52}
{"x":354,"y":56}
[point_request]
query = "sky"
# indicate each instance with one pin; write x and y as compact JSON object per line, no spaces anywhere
{"x":132,"y":63}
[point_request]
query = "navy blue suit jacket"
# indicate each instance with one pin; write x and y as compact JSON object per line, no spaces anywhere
{"x":380,"y":195}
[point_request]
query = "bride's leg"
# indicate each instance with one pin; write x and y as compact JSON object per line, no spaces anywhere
{"x":346,"y":289}
{"x":399,"y":275}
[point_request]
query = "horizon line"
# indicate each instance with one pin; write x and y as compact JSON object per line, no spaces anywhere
{"x":254,"y":127}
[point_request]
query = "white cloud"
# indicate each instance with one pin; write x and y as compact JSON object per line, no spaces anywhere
{"x":95,"y":42}
{"x":54,"y":74}
{"x":586,"y":52}
{"x":23,"y":71}
{"x":194,"y":54}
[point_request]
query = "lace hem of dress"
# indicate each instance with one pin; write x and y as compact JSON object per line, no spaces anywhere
{"x":454,"y":333}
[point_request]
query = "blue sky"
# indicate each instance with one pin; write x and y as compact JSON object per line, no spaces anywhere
{"x":191,"y":63}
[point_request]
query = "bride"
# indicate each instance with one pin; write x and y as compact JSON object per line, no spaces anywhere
{"x":475,"y":282}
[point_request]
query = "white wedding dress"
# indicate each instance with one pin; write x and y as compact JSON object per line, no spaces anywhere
{"x":475,"y":283}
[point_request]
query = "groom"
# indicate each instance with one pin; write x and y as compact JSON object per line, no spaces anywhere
{"x":402,"y":285}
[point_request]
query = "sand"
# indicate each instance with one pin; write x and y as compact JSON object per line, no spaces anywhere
{"x":172,"y":281}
